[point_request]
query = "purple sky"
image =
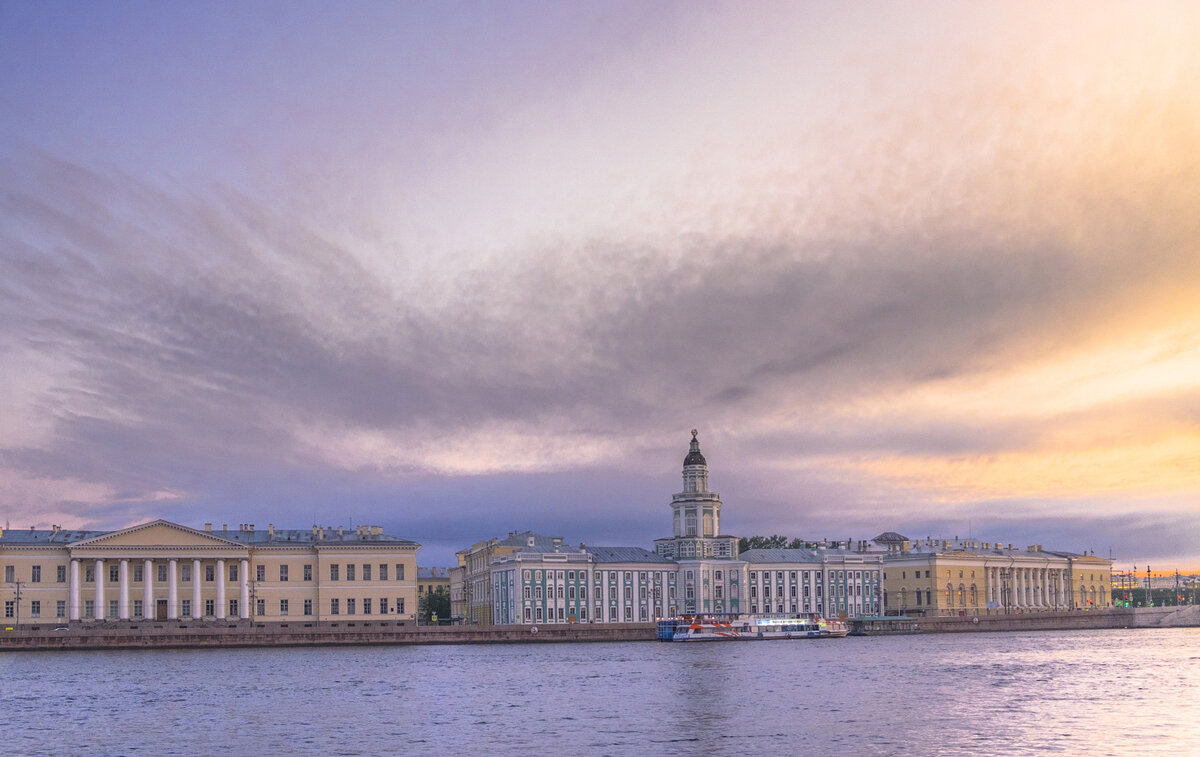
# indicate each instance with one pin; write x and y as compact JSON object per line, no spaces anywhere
{"x":466,"y":268}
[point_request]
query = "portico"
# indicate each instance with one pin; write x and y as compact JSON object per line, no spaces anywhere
{"x":164,"y":558}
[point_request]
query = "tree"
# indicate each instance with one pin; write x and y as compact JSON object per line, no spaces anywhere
{"x":435,"y":602}
{"x":776,"y":541}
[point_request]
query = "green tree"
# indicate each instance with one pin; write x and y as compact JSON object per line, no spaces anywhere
{"x":436,"y":602}
{"x":776,"y":541}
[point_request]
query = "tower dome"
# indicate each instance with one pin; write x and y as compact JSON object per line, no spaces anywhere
{"x":694,"y":457}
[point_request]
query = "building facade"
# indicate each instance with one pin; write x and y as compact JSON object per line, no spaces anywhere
{"x":972,"y":577}
{"x":827,"y":582}
{"x":161,"y":571}
{"x":710,"y":576}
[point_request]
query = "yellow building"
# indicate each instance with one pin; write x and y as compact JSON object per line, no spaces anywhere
{"x":431,"y":579}
{"x":164,"y":571}
{"x":971,"y":577}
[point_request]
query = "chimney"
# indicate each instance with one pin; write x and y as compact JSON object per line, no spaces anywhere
{"x":208,"y":527}
{"x":270,"y":530}
{"x":224,"y":526}
{"x":320,"y":532}
{"x":339,"y":532}
{"x":251,"y":528}
{"x":376,"y":530}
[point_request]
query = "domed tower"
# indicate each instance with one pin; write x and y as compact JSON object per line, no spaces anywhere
{"x":709,"y":574}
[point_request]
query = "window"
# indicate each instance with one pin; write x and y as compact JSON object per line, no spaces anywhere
{"x":537,"y":593}
{"x":89,"y":608}
{"x":308,"y":607}
{"x":137,"y":574}
{"x":260,"y":572}
{"x":383,"y":571}
{"x":349,"y":605}
{"x":716,"y":575}
{"x":366,"y":576}
{"x":399,"y":571}
{"x":539,"y":615}
{"x":35,"y":609}
{"x":308,"y":572}
{"x":333,"y":572}
{"x":61,"y":573}
{"x":233,"y":608}
{"x":366,"y":606}
{"x":528,"y":614}
{"x":400,"y":605}
{"x":233,"y":572}
{"x":210,"y":607}
{"x":560,"y":592}
{"x":10,"y":609}
{"x":210,"y":574}
{"x":583,"y":592}
{"x":283,"y":573}
{"x":260,"y":606}
{"x":185,"y":572}
{"x":89,"y":573}
{"x":35,"y":574}
{"x":283,"y":607}
{"x":60,"y":608}
{"x":349,"y":577}
{"x":114,"y":573}
{"x":383,"y":606}
{"x":186,"y":608}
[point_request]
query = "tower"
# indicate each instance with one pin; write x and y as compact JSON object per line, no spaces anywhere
{"x":709,"y":575}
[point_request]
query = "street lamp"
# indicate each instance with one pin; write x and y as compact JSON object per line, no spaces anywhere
{"x":17,"y":587}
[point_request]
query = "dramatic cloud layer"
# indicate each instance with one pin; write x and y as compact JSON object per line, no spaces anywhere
{"x":468,"y":272}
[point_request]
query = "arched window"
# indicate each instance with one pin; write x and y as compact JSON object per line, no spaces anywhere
{"x":962,"y":595}
{"x":974,"y":596}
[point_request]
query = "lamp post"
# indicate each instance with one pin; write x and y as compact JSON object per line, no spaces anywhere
{"x":17,"y":594}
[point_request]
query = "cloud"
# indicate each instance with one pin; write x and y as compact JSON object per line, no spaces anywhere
{"x":879,"y":286}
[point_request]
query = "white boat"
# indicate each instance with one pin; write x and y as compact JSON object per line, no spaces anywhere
{"x":749,"y":627}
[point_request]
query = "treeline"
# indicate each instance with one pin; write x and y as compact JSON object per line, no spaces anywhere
{"x":777,"y":541}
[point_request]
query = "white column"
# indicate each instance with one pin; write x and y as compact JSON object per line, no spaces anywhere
{"x":98,"y":612}
{"x":75,"y":602}
{"x":148,"y":608}
{"x":221,"y":589}
{"x":173,"y":590}
{"x":123,"y":602}
{"x":197,"y":611}
{"x":1020,"y":592}
{"x":244,"y":577}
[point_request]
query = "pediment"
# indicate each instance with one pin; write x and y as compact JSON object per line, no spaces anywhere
{"x":155,"y":534}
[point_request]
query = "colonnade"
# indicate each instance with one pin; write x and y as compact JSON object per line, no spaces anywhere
{"x":149,"y":606}
{"x":1029,"y":588}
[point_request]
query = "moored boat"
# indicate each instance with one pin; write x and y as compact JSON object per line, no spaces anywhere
{"x":749,"y":627}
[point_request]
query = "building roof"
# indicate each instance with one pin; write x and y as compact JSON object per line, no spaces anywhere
{"x":427,"y":574}
{"x":890,"y":537}
{"x":753,"y":556}
{"x":540,"y":543}
{"x":363,"y":534}
{"x":626,"y":554}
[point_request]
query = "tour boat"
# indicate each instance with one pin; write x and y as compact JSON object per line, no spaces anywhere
{"x":749,"y":627}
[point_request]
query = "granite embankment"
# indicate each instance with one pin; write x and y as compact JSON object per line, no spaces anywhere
{"x":126,"y":635}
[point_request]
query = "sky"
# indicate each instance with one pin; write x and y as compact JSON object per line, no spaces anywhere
{"x":460,"y":269}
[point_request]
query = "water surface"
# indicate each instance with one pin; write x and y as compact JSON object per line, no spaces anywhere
{"x":1100,"y":692}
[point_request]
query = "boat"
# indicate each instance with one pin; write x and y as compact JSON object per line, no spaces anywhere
{"x":749,"y":627}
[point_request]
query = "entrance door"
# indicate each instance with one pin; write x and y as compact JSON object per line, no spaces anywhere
{"x":161,"y":609}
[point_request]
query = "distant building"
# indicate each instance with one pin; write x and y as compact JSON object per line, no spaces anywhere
{"x":163,"y":571}
{"x":709,"y":574}
{"x":973,"y":577}
{"x":432,"y":579}
{"x":827,"y":582}
{"x":471,"y":579}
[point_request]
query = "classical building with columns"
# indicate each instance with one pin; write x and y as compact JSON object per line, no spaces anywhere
{"x":162,"y":571}
{"x":973,"y":577}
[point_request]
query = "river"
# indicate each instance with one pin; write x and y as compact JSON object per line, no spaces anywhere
{"x":1079,"y":692}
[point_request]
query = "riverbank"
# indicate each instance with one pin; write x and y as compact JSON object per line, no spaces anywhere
{"x":154,"y":635}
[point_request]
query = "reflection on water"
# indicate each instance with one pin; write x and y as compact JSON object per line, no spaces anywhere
{"x":1106,"y":692}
